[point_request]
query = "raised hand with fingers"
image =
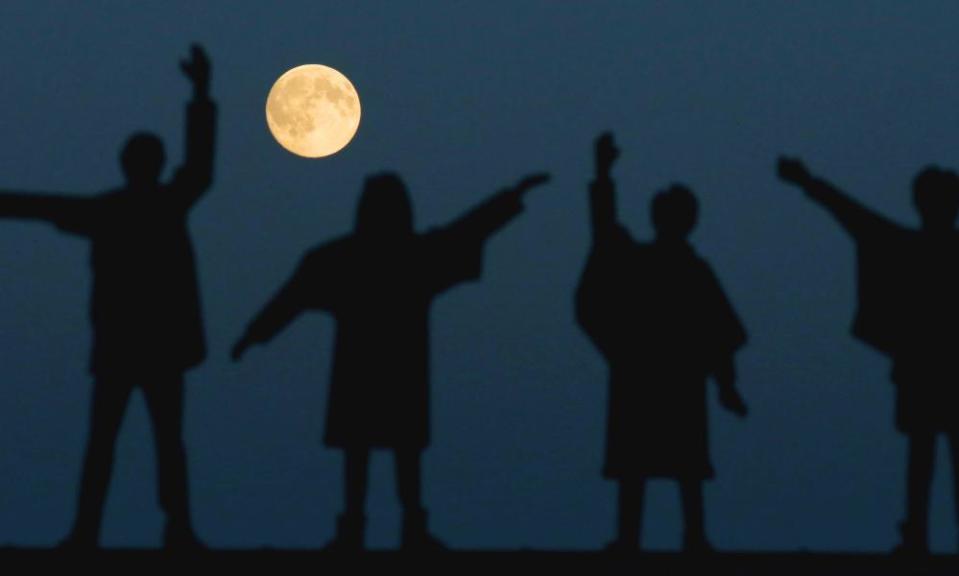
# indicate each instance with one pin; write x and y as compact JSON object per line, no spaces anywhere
{"x":197,"y":69}
{"x":606,"y":154}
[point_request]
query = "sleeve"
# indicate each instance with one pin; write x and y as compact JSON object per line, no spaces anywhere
{"x":75,"y":215}
{"x":727,"y":333}
{"x":856,"y":218}
{"x":881,"y":265}
{"x":488,"y":217}
{"x":592,"y":304}
{"x":302,"y":291}
{"x":601,"y":295}
{"x":882,"y":297}
{"x":455,"y":253}
{"x":596,"y":299}
{"x":195,"y":175}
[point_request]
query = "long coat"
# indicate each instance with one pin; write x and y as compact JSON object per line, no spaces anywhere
{"x":660,"y":318}
{"x":145,"y":304}
{"x":380,"y":295}
{"x":907,"y":308}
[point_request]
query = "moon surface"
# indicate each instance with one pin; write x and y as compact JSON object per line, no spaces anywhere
{"x":313,"y":110}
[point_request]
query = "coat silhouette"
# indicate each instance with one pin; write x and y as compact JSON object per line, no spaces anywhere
{"x":664,"y":324}
{"x":907,"y":309}
{"x":378,"y":284}
{"x":657,"y":313}
{"x":144,"y":306}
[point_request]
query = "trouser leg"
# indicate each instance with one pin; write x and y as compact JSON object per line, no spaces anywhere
{"x":918,"y":482}
{"x":110,"y":398}
{"x":629,"y":512}
{"x":693,"y":511}
{"x":409,"y":479}
{"x":351,"y":523}
{"x":355,"y":479}
{"x":164,"y":399}
{"x":409,"y":487}
{"x":954,"y":453}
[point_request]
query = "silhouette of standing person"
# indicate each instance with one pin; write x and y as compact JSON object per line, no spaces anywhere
{"x":658,"y":315}
{"x":145,"y":307}
{"x":908,"y":309}
{"x":378,"y":284}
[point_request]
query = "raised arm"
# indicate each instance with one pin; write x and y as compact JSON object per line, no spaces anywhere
{"x":496,"y":211}
{"x":602,"y":190}
{"x":195,"y":176}
{"x":69,"y":213}
{"x":852,"y":215}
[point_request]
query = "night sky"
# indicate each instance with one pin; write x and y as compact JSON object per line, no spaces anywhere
{"x":462,"y":98}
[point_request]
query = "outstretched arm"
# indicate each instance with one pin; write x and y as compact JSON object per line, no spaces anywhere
{"x":496,"y":211}
{"x":852,"y":215}
{"x":456,"y":251}
{"x":69,"y":213}
{"x":195,"y":176}
{"x":602,"y":191}
{"x":282,"y":309}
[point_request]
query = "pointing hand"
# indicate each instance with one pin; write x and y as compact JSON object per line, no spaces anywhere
{"x":527,"y":183}
{"x":793,"y":170}
{"x":606,"y":154}
{"x":533,"y":180}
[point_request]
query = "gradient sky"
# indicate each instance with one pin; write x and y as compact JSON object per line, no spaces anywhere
{"x":461,"y":98}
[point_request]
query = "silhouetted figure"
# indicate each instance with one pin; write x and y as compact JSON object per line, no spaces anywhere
{"x":908,"y":309}
{"x":145,"y":307}
{"x":657,"y":313}
{"x":378,"y":283}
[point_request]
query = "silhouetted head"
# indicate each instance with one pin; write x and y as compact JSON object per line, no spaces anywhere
{"x":142,"y":159}
{"x":384,"y":210}
{"x":674,"y":211}
{"x":935,"y":192}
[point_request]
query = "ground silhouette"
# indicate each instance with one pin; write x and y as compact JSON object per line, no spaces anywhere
{"x":485,"y":562}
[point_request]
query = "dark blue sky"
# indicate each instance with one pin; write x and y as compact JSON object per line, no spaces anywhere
{"x":462,"y":98}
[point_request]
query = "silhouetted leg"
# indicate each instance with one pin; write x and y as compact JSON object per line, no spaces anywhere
{"x":409,"y":479}
{"x":918,"y":481}
{"x":355,"y":480}
{"x":692,"y":497}
{"x":110,"y":397}
{"x":164,"y":398}
{"x":350,"y":524}
{"x":629,"y":513}
{"x":954,"y":450}
{"x":409,"y":487}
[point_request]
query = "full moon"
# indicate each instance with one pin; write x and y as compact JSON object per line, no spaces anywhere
{"x":313,"y":110}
